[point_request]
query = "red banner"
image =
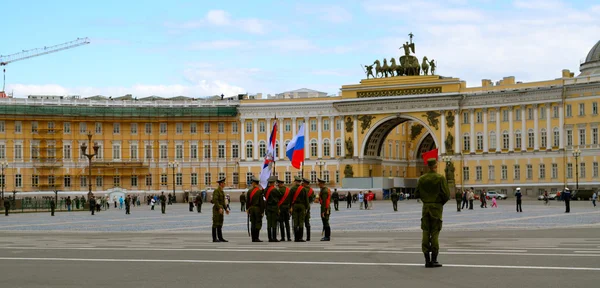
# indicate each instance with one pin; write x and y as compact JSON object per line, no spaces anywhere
{"x":430,"y":154}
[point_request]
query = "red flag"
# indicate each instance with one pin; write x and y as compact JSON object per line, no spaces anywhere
{"x":430,"y":154}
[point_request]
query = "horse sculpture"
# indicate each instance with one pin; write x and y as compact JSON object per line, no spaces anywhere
{"x":393,"y":67}
{"x":411,"y":65}
{"x":425,"y":65}
{"x":378,"y":68}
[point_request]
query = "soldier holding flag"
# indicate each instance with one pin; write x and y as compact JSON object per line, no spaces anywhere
{"x":255,"y":209}
{"x":299,"y":204}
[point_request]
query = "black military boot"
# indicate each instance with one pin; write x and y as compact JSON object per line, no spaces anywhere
{"x":327,"y":234}
{"x":214,"y":234}
{"x":307,"y":233}
{"x":220,"y":234}
{"x":300,"y":234}
{"x":434,"y":262}
{"x":257,"y":231}
{"x":428,"y":263}
{"x":274,"y":231}
{"x":281,"y":228}
{"x":287,"y":230}
{"x":269,"y":235}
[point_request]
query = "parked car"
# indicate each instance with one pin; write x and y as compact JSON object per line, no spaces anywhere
{"x":551,"y":196}
{"x":491,"y":194}
{"x":582,"y":194}
{"x":342,"y":196}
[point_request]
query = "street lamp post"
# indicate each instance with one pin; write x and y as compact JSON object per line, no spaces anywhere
{"x":3,"y":165}
{"x":173,"y":165}
{"x":320,"y":164}
{"x":370,"y":170}
{"x":84,"y":148}
{"x":576,"y":154}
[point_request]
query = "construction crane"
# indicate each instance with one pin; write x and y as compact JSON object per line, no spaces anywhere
{"x":26,"y":54}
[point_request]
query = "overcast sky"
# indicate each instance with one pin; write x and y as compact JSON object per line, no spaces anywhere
{"x":201,"y":48}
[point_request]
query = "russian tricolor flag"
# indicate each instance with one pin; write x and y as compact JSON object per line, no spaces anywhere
{"x":295,"y":149}
{"x":270,"y":157}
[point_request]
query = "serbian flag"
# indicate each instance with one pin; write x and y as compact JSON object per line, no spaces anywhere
{"x":270,"y":158}
{"x":430,"y":154}
{"x":295,"y":149}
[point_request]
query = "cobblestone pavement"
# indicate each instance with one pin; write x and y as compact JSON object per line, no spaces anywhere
{"x":380,"y":218}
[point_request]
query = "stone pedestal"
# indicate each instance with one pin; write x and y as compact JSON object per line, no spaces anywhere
{"x":452,"y":187}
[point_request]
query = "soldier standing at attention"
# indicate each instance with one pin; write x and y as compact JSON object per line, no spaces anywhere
{"x":299,"y":204}
{"x":458,"y":197}
{"x":336,"y":200}
{"x":52,"y":206}
{"x":325,"y":200}
{"x":6,"y":206}
{"x":199,"y":203}
{"x":394,"y":197}
{"x":92,"y":204}
{"x":163,"y":202}
{"x":243,"y":201}
{"x":272,"y":197}
{"x":219,"y":209}
{"x":433,"y":191}
{"x":311,"y":199}
{"x":255,"y":209}
{"x":128,"y":205}
{"x":284,"y":210}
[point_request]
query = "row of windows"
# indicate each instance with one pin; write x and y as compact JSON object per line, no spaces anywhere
{"x":287,"y":125}
{"x":529,"y":112}
{"x":516,"y":175}
{"x":164,"y":178}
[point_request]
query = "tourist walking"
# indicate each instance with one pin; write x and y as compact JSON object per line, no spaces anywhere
{"x":594,"y":197}
{"x":494,"y":203}
{"x":361,"y":200}
{"x":348,"y":200}
{"x":458,"y":196}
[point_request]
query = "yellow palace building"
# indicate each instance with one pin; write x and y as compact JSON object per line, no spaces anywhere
{"x":538,"y":135}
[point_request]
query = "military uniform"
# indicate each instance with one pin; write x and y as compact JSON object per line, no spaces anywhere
{"x":199,"y":203}
{"x":394,"y":197}
{"x":458,"y":197}
{"x":52,"y":206}
{"x":128,"y":204}
{"x":92,"y":205}
{"x":325,"y":200}
{"x":255,"y":209}
{"x":272,"y":197}
{"x":6,"y":206}
{"x":218,"y":201}
{"x":243,"y":202}
{"x":336,"y":200}
{"x":433,"y":191}
{"x":567,"y":198}
{"x":163,"y":203}
{"x":284,"y":210}
{"x":299,"y":206}
{"x":311,"y":199}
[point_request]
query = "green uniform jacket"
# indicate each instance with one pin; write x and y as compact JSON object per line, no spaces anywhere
{"x":334,"y":196}
{"x":243,"y":198}
{"x":432,"y":189}
{"x":256,"y":200}
{"x":302,"y":196}
{"x":394,"y":196}
{"x":218,"y":199}
{"x":273,"y":199}
{"x":288,"y":200}
{"x":323,"y":195}
{"x":311,"y":198}
{"x":163,"y":199}
{"x":458,"y":195}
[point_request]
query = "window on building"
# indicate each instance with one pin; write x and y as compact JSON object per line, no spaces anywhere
{"x":492,"y":115}
{"x":194,"y":179}
{"x":163,"y":128}
{"x":194,"y":151}
{"x":248,"y":126}
{"x":554,"y":111}
{"x":133,"y":151}
{"x":581,"y":109}
{"x":236,"y":178}
{"x":595,"y":169}
{"x":133,"y":128}
{"x":479,"y":116}
{"x":51,"y":181}
{"x":19,"y":181}
{"x":116,"y":128}
{"x":99,"y":181}
{"x":313,"y":125}
{"x":581,"y":136}
{"x":569,"y":137}
{"x":325,"y":124}
{"x":249,"y":176}
{"x":287,"y":126}
{"x":67,"y":151}
{"x":220,"y":127}
{"x":98,"y":128}
{"x":207,"y":151}
{"x":569,"y":110}
{"x":492,"y":143}
{"x":116,"y":181}
{"x":465,"y":117}
{"x":338,"y":125}
{"x":35,"y":151}
{"x":235,"y":150}
{"x":582,"y":170}
{"x":326,"y":176}
{"x":529,"y":113}
{"x":542,"y":171}
{"x":595,"y":136}
{"x":518,"y":139}
{"x":262,"y":149}
{"x":34,"y":127}
{"x":544,"y":138}
{"x":595,"y":108}
{"x":116,"y":152}
{"x":179,"y":151}
{"x":479,"y":141}
{"x":556,"y":137}
{"x":326,"y":148}
{"x":163,"y":179}
{"x":179,"y":128}
{"x":554,"y":170}
{"x":207,"y":179}
{"x":466,"y":142}
{"x":249,"y":148}
{"x":148,"y":128}
{"x":261,"y":127}
{"x":149,"y":180}
{"x":288,"y":177}
{"x":18,"y":127}
{"x":313,"y":148}
{"x":518,"y":114}
{"x":19,"y":152}
{"x":542,"y":112}
{"x":505,"y":115}
{"x":234,"y":127}
{"x":504,"y":172}
{"x":505,"y":140}
{"x":178,"y":179}
{"x":206,"y":127}
{"x":465,"y":173}
{"x":530,"y":138}
{"x":338,"y":147}
{"x":313,"y":176}
{"x":134,"y":180}
{"x":569,"y":170}
{"x":337,"y":176}
{"x":478,"y":173}
{"x":276,"y":148}
{"x":529,"y":171}
{"x":221,"y":151}
{"x":148,"y":152}
{"x":164,"y":151}
{"x":517,"y":170}
{"x":35,"y":181}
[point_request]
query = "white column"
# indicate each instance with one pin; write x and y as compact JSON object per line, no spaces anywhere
{"x":561,"y":127}
{"x":457,"y":136}
{"x":498,"y":135}
{"x":443,"y":133}
{"x":523,"y":129}
{"x":255,"y":144}
{"x":343,"y":136}
{"x":472,"y":124}
{"x":485,"y":131}
{"x":536,"y":133}
{"x":294,"y":126}
{"x":281,"y":124}
{"x":511,"y":131}
{"x":243,"y":144}
{"x":319,"y":137}
{"x":355,"y":132}
{"x":549,"y":132}
{"x":306,"y":137}
{"x":331,"y":136}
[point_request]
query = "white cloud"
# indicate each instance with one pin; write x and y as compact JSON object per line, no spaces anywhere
{"x":220,"y":18}
{"x":539,"y":4}
{"x":217,"y":44}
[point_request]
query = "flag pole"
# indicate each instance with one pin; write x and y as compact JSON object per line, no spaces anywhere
{"x":275,"y":150}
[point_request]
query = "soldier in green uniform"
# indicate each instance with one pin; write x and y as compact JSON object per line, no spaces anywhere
{"x":199,"y":203}
{"x":243,"y":201}
{"x":395,"y":197}
{"x":458,"y":198}
{"x":255,"y":208}
{"x":92,"y":204}
{"x":128,"y":205}
{"x":219,"y":209}
{"x":311,"y":199}
{"x":299,"y":204}
{"x":336,"y":200}
{"x":52,"y":206}
{"x":433,"y":191}
{"x":163,"y":202}
{"x":6,"y":206}
{"x":272,"y":198}
{"x":284,"y":210}
{"x":325,"y":200}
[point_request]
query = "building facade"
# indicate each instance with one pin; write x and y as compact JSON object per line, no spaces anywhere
{"x":499,"y":136}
